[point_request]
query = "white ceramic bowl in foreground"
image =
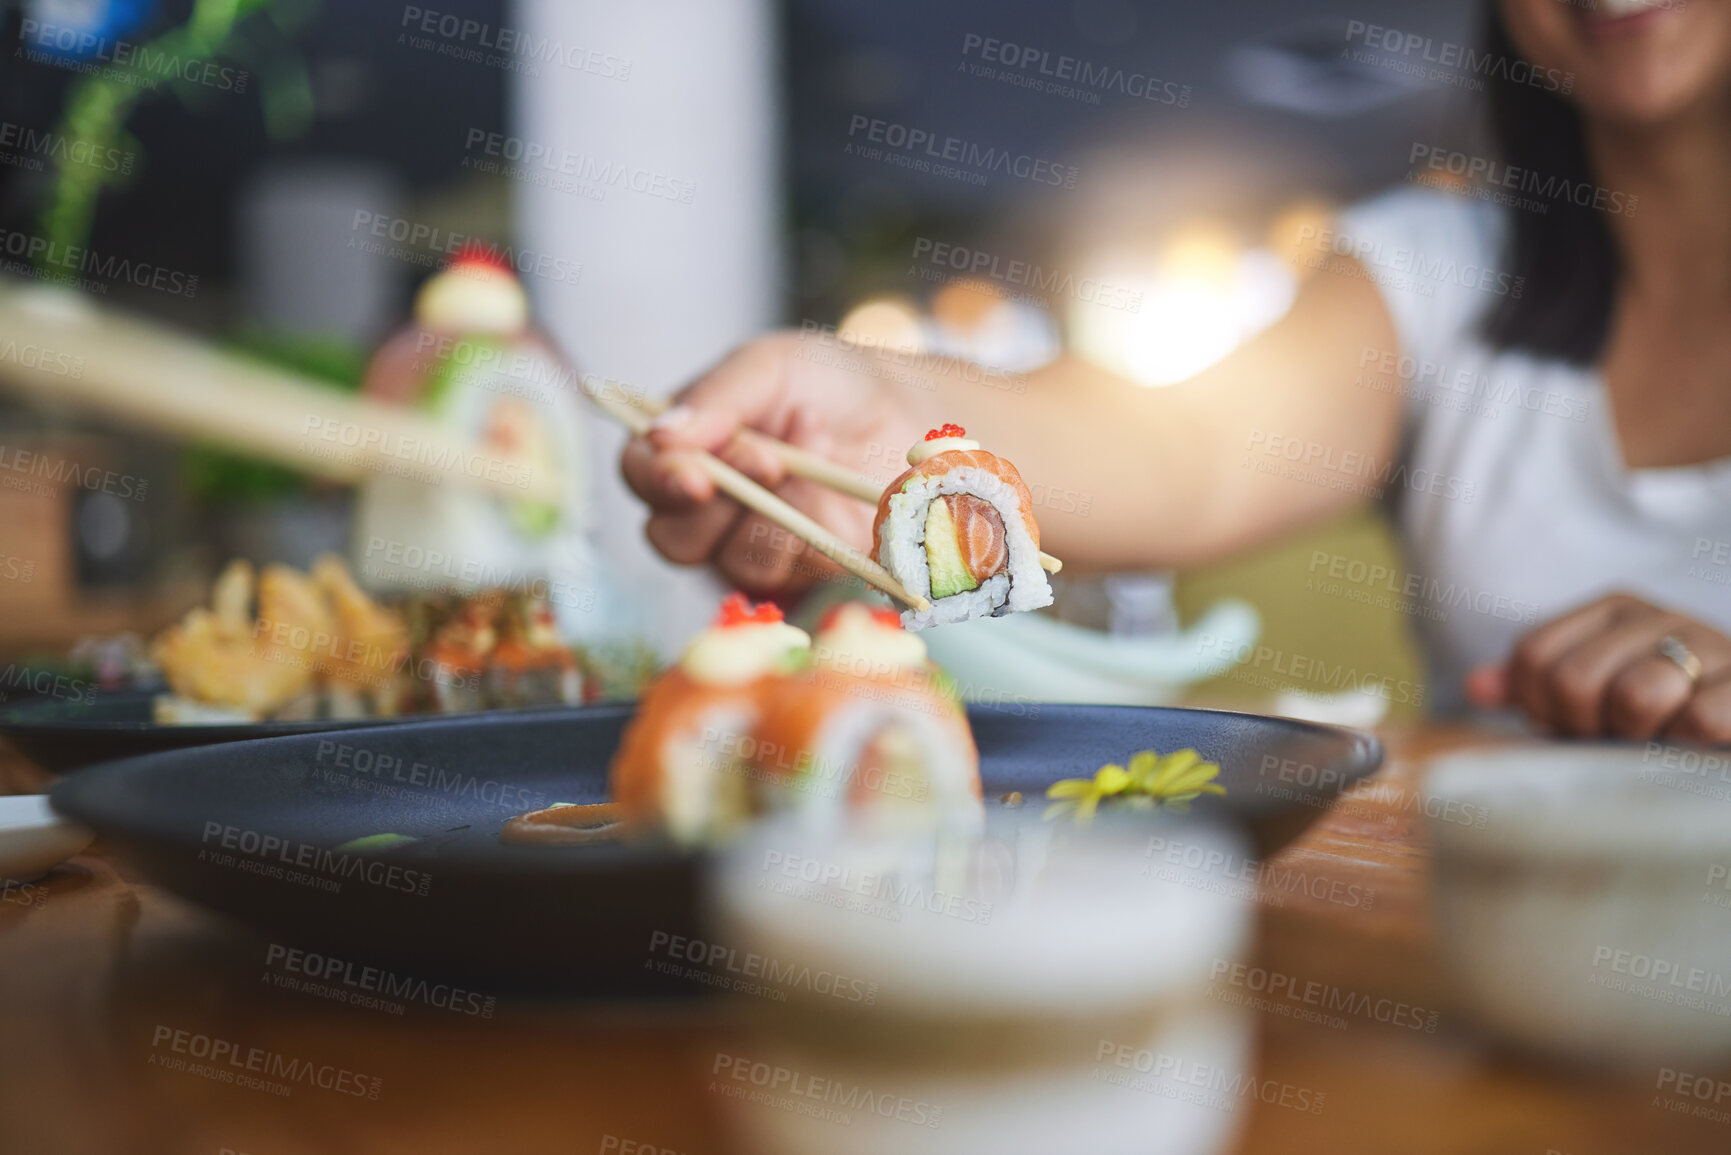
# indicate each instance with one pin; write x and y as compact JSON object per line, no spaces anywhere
{"x":1583,"y":896}
{"x":34,"y":839}
{"x":1020,"y":992}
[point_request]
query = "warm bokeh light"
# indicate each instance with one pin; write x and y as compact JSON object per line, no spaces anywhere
{"x":890,"y":322}
{"x":965,"y":305}
{"x":976,"y":320}
{"x":971,"y":319}
{"x":1292,"y":236}
{"x":1202,"y":252}
{"x":1201,"y":297}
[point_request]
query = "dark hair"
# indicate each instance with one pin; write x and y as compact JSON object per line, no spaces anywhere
{"x":1566,"y":253}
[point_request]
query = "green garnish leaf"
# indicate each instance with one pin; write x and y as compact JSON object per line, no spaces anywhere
{"x":370,"y":843}
{"x":793,"y":662}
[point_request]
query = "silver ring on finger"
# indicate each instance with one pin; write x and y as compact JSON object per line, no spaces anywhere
{"x":1676,"y":651}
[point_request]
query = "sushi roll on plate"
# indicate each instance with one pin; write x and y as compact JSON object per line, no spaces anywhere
{"x":532,"y":666}
{"x":958,"y":528}
{"x":678,"y":762}
{"x":869,"y":730}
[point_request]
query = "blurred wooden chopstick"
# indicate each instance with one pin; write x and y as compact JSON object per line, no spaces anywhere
{"x":806,"y":464}
{"x":150,"y":377}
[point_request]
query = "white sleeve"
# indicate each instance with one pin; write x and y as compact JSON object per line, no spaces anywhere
{"x":1436,"y":259}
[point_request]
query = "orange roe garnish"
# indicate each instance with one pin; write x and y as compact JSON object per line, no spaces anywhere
{"x":945,"y":430}
{"x":474,"y":254}
{"x":882,"y":615}
{"x":736,"y":611}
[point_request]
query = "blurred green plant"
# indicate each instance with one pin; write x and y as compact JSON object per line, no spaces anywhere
{"x":256,"y":34}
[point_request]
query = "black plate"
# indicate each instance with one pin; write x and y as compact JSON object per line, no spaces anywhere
{"x":460,"y":904}
{"x":61,"y":735}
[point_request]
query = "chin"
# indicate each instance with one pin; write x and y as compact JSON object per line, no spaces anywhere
{"x":1637,"y":99}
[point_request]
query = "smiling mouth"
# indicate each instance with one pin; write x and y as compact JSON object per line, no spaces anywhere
{"x":1619,"y":17}
{"x":1618,"y":9}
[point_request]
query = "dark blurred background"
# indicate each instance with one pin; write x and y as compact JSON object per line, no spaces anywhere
{"x":1273,"y":112}
{"x":1265,"y":120}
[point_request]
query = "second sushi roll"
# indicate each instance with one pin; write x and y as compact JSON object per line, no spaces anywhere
{"x":756,"y":718}
{"x":869,"y":728}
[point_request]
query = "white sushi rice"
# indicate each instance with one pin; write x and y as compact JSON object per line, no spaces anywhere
{"x":943,"y":794}
{"x":902,"y":551}
{"x":702,"y":791}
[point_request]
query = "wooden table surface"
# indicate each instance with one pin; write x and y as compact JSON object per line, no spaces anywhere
{"x":98,"y":963}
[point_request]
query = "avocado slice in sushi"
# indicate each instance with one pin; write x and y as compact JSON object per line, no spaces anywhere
{"x":949,"y":569}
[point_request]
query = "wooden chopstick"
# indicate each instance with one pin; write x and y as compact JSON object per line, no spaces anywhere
{"x":804,"y":463}
{"x":149,"y":376}
{"x":755,"y":497}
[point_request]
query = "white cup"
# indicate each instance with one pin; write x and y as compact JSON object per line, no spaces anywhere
{"x":1583,"y":896}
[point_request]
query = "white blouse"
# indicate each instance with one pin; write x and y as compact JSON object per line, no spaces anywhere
{"x":1515,"y":505}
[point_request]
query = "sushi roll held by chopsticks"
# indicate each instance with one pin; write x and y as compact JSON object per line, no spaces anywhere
{"x":958,"y":528}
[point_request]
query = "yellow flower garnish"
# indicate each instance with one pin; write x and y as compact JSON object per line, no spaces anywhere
{"x":1151,"y":779}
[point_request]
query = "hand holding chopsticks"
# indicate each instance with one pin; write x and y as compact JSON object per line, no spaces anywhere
{"x":637,"y":417}
{"x":638,"y":413}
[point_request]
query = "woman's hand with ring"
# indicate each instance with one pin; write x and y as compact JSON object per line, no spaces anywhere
{"x":1619,"y":667}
